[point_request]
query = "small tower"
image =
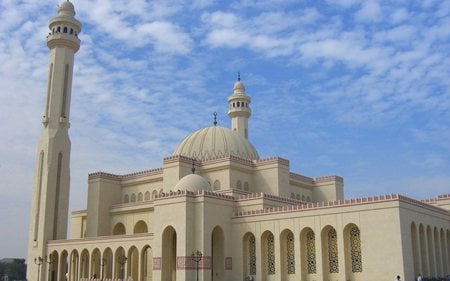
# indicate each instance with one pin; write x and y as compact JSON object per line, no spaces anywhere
{"x":239,"y":109}
{"x":50,"y":201}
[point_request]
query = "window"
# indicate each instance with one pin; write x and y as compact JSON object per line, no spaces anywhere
{"x":126,"y":199}
{"x":217,"y":185}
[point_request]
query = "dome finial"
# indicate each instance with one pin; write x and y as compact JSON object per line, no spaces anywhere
{"x":193,"y":166}
{"x":239,"y":76}
{"x":215,"y":118}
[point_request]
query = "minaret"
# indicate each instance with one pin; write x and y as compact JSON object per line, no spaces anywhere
{"x":50,"y":202}
{"x":239,"y":109}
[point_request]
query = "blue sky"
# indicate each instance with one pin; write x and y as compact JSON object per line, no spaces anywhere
{"x":357,"y":88}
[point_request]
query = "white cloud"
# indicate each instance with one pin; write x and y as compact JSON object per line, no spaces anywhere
{"x":369,"y":12}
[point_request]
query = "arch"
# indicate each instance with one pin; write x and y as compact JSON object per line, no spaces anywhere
{"x":96,"y":264}
{"x":292,"y":195}
{"x":415,"y":249}
{"x":239,"y":184}
{"x":423,"y":251}
{"x":146,"y":264}
{"x":430,"y":253}
{"x":140,"y":227}
{"x":268,"y":253}
{"x":352,"y":251}
{"x":84,"y":266}
{"x":73,"y":267}
{"x":53,"y":266}
{"x":249,"y":254}
{"x":133,"y":198}
{"x":147,"y":196}
{"x":297,"y":196}
{"x":308,"y":199}
{"x":216,"y":185}
{"x":126,"y":199}
{"x":303,"y":197}
{"x":58,"y":29}
{"x":71,"y":31}
{"x":308,"y":253}
{"x":169,"y":254}
{"x":246,"y":186}
{"x":287,"y":251}
{"x":330,"y":258}
{"x":154,"y":194}
{"x":107,"y":264}
{"x":65,"y":29}
{"x":140,"y":197}
{"x":119,"y":229}
{"x":133,"y":264}
{"x":120,"y":259}
{"x":437,"y":252}
{"x":63,"y":266}
{"x":161,"y":192}
{"x":217,"y":254}
{"x":445,"y":261}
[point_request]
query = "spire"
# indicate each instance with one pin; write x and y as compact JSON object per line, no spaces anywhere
{"x":193,"y":166}
{"x":239,"y":76}
{"x":215,"y":118}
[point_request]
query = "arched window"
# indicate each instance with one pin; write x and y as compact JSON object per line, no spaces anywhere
{"x":239,"y":185}
{"x":147,"y":196}
{"x":270,"y":248}
{"x":311,"y":251}
{"x":58,"y":29}
{"x":238,"y":104}
{"x":297,"y":196}
{"x":292,"y":195}
{"x":65,"y":29}
{"x":140,"y":227}
{"x":140,"y":197}
{"x":246,"y":186}
{"x":355,"y":249}
{"x":308,"y":199}
{"x":126,"y":199}
{"x":154,"y":194}
{"x":303,"y":197}
{"x":71,"y":31}
{"x":119,"y":229}
{"x":249,"y":254}
{"x":217,"y":185}
{"x":288,"y":252}
{"x":333,"y":261}
{"x":133,"y":197}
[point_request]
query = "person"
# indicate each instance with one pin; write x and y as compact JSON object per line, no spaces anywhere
{"x":398,"y":278}
{"x":420,"y":278}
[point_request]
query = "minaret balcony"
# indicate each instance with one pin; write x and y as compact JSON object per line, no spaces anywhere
{"x":63,"y":40}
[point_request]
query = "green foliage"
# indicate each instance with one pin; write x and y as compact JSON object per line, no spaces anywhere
{"x":15,"y":269}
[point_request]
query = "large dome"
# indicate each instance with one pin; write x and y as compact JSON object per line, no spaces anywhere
{"x":213,"y":142}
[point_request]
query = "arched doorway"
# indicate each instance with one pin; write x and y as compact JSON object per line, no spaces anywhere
{"x":133,"y":264}
{"x":95,"y":264}
{"x":146,"y":264}
{"x":169,"y":254}
{"x":63,"y":266}
{"x":107,"y":264}
{"x":217,"y":254}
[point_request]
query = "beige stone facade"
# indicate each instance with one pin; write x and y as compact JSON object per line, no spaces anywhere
{"x":251,"y":218}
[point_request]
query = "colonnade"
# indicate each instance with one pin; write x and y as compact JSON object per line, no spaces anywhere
{"x":118,"y":263}
{"x":431,"y":250}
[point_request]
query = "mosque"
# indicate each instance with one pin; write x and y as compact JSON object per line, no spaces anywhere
{"x":215,"y":210}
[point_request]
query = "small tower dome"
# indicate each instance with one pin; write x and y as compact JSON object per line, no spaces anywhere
{"x":66,"y":8}
{"x":193,"y":183}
